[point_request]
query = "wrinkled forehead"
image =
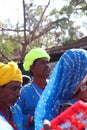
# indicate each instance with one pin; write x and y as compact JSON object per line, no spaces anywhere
{"x":40,"y":60}
{"x":13,"y":84}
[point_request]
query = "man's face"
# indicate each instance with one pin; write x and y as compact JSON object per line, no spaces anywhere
{"x":10,"y":93}
{"x":41,"y":68}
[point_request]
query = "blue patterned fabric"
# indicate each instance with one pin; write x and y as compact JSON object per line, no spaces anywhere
{"x":17,"y":118}
{"x":28,"y":101}
{"x":68,"y":73}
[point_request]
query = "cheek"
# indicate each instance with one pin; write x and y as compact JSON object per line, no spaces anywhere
{"x":4,"y":96}
{"x":84,"y":96}
{"x":9,"y":95}
{"x":6,"y":99}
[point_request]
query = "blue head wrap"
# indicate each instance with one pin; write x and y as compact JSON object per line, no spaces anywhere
{"x":68,"y":73}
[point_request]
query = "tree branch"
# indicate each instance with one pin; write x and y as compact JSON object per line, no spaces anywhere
{"x":47,"y":28}
{"x":4,"y":56}
{"x":37,"y":25}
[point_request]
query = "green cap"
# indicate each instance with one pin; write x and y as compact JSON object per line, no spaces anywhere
{"x":32,"y":55}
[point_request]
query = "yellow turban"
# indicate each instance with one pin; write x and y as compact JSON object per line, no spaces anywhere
{"x":9,"y":72}
{"x":32,"y":55}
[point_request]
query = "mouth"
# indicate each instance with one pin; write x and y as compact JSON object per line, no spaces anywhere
{"x":48,"y":70}
{"x":12,"y":102}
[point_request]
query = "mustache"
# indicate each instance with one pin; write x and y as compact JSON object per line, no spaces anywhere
{"x":47,"y":69}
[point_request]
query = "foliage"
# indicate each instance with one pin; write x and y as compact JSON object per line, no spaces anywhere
{"x":58,"y":27}
{"x":8,"y":47}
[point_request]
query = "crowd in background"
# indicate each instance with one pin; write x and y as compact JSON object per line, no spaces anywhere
{"x":25,"y":102}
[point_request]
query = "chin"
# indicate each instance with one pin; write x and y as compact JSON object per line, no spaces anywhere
{"x":13,"y":102}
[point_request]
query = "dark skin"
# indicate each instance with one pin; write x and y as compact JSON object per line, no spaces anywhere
{"x":40,"y":70}
{"x":9,"y":94}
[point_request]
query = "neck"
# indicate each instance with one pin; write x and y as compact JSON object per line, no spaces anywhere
{"x":41,"y":83}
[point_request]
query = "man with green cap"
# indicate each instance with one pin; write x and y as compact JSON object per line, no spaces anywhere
{"x":37,"y":63}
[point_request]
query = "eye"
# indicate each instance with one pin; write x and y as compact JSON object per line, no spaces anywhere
{"x":16,"y":88}
{"x":86,"y":83}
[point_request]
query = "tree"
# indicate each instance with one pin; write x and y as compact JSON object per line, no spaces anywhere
{"x":43,"y":29}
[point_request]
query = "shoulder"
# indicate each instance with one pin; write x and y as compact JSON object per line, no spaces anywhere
{"x":17,"y":111}
{"x":16,"y":108}
{"x":27,"y":86}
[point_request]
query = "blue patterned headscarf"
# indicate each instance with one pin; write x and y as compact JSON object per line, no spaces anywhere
{"x":68,"y":73}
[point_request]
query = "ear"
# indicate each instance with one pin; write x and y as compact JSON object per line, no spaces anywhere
{"x":31,"y":68}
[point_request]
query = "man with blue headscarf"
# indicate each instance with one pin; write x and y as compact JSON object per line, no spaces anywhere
{"x":63,"y":86}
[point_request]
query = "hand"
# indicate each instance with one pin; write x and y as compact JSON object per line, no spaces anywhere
{"x":47,"y":125}
{"x":32,"y":120}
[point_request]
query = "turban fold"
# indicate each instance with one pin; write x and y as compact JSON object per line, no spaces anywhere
{"x":9,"y":72}
{"x":32,"y":55}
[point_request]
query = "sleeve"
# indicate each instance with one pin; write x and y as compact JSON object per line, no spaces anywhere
{"x":21,"y":100}
{"x":27,"y":118}
{"x":28,"y":121}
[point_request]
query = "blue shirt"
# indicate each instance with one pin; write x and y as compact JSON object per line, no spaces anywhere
{"x":28,"y":100}
{"x":5,"y":123}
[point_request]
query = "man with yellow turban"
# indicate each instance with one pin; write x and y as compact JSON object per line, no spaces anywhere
{"x":36,"y":62}
{"x":10,"y":84}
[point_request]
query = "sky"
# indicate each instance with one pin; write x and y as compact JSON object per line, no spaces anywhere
{"x":13,"y":10}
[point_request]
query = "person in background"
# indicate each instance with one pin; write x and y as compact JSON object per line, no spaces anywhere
{"x":37,"y":62}
{"x":67,"y":85}
{"x":10,"y":84}
{"x":26,"y":79}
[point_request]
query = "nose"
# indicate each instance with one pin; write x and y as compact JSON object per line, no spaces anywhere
{"x":48,"y":67}
{"x":48,"y":64}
